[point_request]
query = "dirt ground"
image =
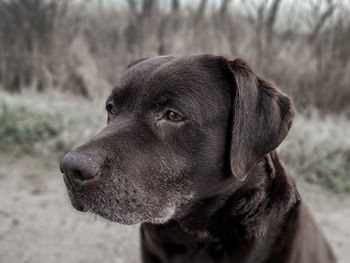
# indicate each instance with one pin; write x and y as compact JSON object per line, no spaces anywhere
{"x":37,"y":223}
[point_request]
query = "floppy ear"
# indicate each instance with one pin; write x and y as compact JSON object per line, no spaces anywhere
{"x":262,"y":117}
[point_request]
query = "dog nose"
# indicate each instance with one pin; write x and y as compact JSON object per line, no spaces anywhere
{"x":78,"y":167}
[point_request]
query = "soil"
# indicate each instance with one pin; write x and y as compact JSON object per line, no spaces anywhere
{"x":39,"y":225}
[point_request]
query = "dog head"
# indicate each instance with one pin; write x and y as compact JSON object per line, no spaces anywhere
{"x":180,"y":129}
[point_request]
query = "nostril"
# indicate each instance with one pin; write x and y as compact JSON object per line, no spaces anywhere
{"x":78,"y":176}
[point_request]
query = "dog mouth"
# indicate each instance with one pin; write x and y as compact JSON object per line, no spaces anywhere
{"x":118,"y":216}
{"x":124,"y":212}
{"x":71,"y":194}
{"x":69,"y":184}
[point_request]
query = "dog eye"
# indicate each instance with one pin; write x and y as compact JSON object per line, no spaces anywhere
{"x":110,"y":108}
{"x":173,"y":116}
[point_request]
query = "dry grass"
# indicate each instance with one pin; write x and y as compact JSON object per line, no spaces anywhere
{"x":84,"y":45}
{"x":318,"y":149}
{"x":41,"y":124}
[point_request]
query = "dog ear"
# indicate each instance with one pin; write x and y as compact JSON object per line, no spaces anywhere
{"x":262,"y":117}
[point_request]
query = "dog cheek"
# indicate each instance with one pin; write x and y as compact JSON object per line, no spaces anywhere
{"x":149,"y":186}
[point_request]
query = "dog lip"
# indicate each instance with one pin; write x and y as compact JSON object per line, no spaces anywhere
{"x":79,"y":207}
{"x":66,"y":181}
{"x":76,"y":204}
{"x":69,"y":184}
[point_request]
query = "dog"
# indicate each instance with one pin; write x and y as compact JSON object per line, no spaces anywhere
{"x":189,"y":152}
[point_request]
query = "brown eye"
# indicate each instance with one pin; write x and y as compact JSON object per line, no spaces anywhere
{"x":110,"y":108}
{"x":173,"y":116}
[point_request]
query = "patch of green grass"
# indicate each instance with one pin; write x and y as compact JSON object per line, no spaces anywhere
{"x":335,"y":171}
{"x":45,"y":124}
{"x":339,"y":182}
{"x":23,"y":128}
{"x":318,"y":149}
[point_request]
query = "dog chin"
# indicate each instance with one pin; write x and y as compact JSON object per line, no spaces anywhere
{"x":116,"y":218}
{"x":163,"y":217}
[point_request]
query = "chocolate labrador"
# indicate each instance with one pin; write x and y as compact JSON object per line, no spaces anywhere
{"x":189,"y":152}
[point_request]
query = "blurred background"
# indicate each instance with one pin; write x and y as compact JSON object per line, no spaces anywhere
{"x":59,"y":59}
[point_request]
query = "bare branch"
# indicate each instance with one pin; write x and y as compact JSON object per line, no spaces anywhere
{"x":322,"y":21}
{"x":271,"y":20}
{"x":147,"y":7}
{"x":175,"y":6}
{"x":132,"y":7}
{"x":200,"y":10}
{"x":224,"y":6}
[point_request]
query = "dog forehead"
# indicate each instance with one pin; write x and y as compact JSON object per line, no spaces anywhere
{"x":170,"y":70}
{"x":181,"y":70}
{"x":195,"y":78}
{"x":139,"y":73}
{"x":188,"y":80}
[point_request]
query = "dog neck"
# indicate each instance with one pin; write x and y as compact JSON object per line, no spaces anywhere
{"x":249,"y":212}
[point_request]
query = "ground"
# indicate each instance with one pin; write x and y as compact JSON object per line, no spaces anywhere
{"x":39,"y":225}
